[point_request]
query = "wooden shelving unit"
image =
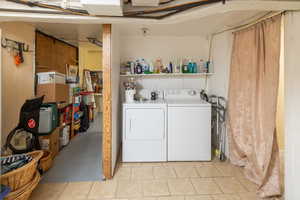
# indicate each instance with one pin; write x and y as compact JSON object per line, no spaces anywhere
{"x":168,"y":75}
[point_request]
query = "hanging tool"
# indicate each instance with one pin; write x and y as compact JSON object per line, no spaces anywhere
{"x":19,"y":59}
{"x":17,"y":47}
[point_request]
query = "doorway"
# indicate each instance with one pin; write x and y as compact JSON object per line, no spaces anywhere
{"x":80,"y":159}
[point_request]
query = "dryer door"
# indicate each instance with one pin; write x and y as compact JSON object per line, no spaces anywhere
{"x":144,"y":139}
{"x":145,"y":124}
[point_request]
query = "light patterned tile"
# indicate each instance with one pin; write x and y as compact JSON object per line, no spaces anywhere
{"x":200,"y":197}
{"x":171,"y":164}
{"x":130,"y":164}
{"x":104,"y":189}
{"x":129,"y":188}
{"x":250,"y":186}
{"x":48,"y":191}
{"x":226,"y":197}
{"x":209,"y":171}
{"x":229,"y":170}
{"x":144,"y":198}
{"x":249,"y":196}
{"x":171,"y":198}
{"x":186,"y":171}
{"x":206,"y":186}
{"x":123,"y":173}
{"x":152,"y":164}
{"x":164,"y":172}
{"x":181,"y":187}
{"x":76,"y":190}
{"x":155,"y":188}
{"x":230,"y":185}
{"x":142,"y":173}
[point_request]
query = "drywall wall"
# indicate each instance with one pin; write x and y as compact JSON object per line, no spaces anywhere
{"x":168,"y":49}
{"x":221,"y":50}
{"x":221,"y":58}
{"x":17,"y":82}
{"x":90,"y":57}
{"x":116,"y":106}
{"x":292,"y":106}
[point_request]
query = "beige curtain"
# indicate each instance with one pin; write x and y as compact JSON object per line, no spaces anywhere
{"x":253,"y":91}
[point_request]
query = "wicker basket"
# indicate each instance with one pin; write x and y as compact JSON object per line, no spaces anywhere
{"x":20,"y":177}
{"x":24,"y":192}
{"x":46,"y":161}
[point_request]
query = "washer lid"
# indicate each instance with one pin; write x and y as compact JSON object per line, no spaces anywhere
{"x":187,"y":102}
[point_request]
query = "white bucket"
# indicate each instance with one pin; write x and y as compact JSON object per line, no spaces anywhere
{"x":129,"y":96}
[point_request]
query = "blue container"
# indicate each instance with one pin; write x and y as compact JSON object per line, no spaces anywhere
{"x":190,"y":67}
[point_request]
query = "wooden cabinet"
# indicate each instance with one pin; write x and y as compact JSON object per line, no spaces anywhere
{"x":53,"y":54}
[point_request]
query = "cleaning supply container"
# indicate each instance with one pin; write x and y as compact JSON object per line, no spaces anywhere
{"x":129,"y":95}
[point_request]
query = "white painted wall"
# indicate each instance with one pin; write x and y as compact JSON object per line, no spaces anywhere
{"x":17,"y":82}
{"x":221,"y":57}
{"x":292,"y":106}
{"x":168,"y":49}
{"x":116,"y":133}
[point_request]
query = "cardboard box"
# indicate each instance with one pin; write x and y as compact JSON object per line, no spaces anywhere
{"x":51,"y":77}
{"x":53,"y":92}
{"x":50,"y":142}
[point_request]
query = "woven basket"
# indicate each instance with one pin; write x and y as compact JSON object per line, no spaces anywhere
{"x":20,"y":177}
{"x":24,"y":192}
{"x":46,"y":161}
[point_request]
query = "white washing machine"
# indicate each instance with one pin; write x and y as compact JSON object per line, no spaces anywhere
{"x":145,"y":131}
{"x":189,"y":126}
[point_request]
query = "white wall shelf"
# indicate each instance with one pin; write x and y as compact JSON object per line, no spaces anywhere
{"x":168,"y":75}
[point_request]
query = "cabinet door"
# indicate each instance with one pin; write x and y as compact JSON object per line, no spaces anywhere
{"x":145,"y":124}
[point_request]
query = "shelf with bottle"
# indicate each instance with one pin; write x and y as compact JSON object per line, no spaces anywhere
{"x":181,"y":67}
{"x":166,"y":74}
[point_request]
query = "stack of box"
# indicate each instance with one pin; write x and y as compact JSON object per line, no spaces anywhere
{"x":53,"y":86}
{"x":55,"y":90}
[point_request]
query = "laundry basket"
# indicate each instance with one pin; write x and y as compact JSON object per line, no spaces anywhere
{"x":20,"y":177}
{"x":46,"y":161}
{"x":24,"y":192}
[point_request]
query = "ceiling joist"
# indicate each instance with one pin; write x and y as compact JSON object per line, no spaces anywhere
{"x":172,"y":9}
{"x":157,"y":13}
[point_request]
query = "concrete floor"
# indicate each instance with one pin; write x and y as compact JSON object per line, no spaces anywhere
{"x":81,"y":160}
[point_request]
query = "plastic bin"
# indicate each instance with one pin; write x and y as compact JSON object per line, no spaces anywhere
{"x":51,"y":77}
{"x":48,"y":119}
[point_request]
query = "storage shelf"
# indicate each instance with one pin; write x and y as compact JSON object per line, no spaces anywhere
{"x":168,"y":75}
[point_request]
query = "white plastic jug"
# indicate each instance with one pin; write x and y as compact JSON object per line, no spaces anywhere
{"x":129,"y":96}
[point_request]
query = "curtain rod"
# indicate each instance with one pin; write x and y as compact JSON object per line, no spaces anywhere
{"x":247,"y":25}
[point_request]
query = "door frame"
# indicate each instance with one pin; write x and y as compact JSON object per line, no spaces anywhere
{"x":107,"y":101}
{"x":1,"y":84}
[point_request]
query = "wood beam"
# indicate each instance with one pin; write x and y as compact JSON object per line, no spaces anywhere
{"x":107,"y":102}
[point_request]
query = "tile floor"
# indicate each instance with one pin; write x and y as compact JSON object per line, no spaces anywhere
{"x":158,"y":181}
